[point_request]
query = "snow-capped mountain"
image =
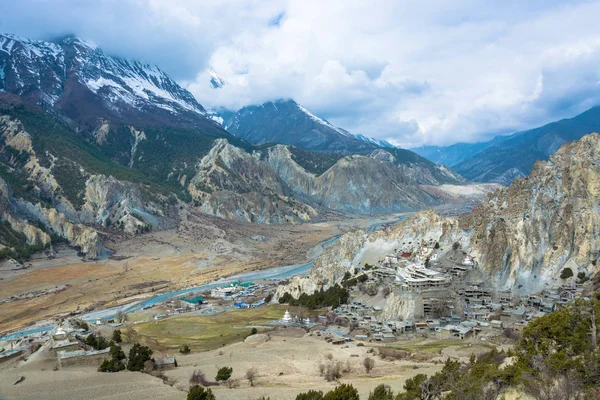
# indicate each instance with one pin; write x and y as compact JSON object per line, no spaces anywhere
{"x":287,"y":122}
{"x":72,"y":75}
{"x":215,"y":80}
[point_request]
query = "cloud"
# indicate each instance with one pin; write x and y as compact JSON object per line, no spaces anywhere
{"x":410,"y":72}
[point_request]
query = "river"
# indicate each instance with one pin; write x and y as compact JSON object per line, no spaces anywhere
{"x":281,"y":272}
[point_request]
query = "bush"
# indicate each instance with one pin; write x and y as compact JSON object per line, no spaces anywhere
{"x":323,"y":298}
{"x":310,"y":395}
{"x":369,"y":364}
{"x":566,"y":273}
{"x":111,"y":366}
{"x":80,"y":324}
{"x":381,"y":392}
{"x":200,"y":393}
{"x":115,"y":363}
{"x":333,"y":371}
{"x":342,"y":392}
{"x":97,"y":342}
{"x":254,"y":331}
{"x":223,"y":374}
{"x":138,"y":355}
{"x":198,"y":378}
{"x":251,"y":375}
{"x":117,"y":336}
{"x":185,"y":349}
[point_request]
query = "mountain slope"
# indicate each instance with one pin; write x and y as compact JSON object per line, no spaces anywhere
{"x":287,"y":122}
{"x":522,"y":237}
{"x":59,"y":181}
{"x":87,"y":86}
{"x":451,"y":155}
{"x":117,"y":141}
{"x":506,"y":158}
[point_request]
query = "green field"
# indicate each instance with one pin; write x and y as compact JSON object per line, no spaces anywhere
{"x":206,"y":332}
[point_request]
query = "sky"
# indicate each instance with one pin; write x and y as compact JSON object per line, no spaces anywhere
{"x":410,"y":72}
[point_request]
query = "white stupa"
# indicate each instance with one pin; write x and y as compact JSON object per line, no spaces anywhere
{"x":287,"y":317}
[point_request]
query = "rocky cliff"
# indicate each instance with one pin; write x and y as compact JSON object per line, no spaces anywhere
{"x":522,"y":236}
{"x":355,"y":183}
{"x":527,"y":233}
{"x":232,"y":183}
{"x":59,"y":192}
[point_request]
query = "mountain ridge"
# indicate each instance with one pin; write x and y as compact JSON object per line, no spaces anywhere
{"x":505,"y":158}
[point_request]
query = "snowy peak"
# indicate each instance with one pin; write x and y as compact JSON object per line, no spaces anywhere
{"x":287,"y":122}
{"x":44,"y":70}
{"x":215,"y":80}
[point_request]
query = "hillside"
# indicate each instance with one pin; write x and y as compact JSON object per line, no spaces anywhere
{"x":287,"y":122}
{"x":522,"y":237}
{"x":506,"y":158}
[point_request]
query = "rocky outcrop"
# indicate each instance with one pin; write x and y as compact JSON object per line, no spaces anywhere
{"x":527,"y":233}
{"x":354,"y":183}
{"x":232,"y":183}
{"x":522,"y":237}
{"x":270,"y":186}
{"x":61,"y":212}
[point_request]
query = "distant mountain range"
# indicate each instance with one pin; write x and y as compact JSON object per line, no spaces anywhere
{"x":94,"y":145}
{"x":506,"y":158}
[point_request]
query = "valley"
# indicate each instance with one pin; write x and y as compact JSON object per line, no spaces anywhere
{"x":149,"y":243}
{"x":202,"y":249}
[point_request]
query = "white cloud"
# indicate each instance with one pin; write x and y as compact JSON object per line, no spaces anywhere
{"x":411,"y":72}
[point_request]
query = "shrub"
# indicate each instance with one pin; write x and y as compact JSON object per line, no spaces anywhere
{"x":342,"y":392}
{"x":200,"y":393}
{"x":185,"y":349}
{"x":138,"y":355}
{"x":369,"y":364}
{"x":310,"y":395}
{"x":198,"y":378}
{"x":117,"y":336}
{"x":333,"y":371}
{"x":381,"y":392}
{"x":251,"y":375}
{"x":223,"y":374}
{"x":566,"y":273}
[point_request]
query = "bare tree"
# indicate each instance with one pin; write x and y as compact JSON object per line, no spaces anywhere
{"x":369,"y":364}
{"x":251,"y":375}
{"x":549,"y":386}
{"x":198,"y":378}
{"x":120,"y":316}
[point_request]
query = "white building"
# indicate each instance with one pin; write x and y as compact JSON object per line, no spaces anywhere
{"x":222,"y":292}
{"x":415,"y":277}
{"x":287,"y":317}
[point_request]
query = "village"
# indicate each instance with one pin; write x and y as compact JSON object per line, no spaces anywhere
{"x":447,"y":296}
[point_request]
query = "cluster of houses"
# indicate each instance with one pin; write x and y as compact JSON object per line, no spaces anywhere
{"x":69,"y":350}
{"x":445,"y":307}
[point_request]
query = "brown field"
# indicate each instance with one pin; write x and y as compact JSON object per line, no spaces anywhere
{"x":287,"y":361}
{"x":200,"y":250}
